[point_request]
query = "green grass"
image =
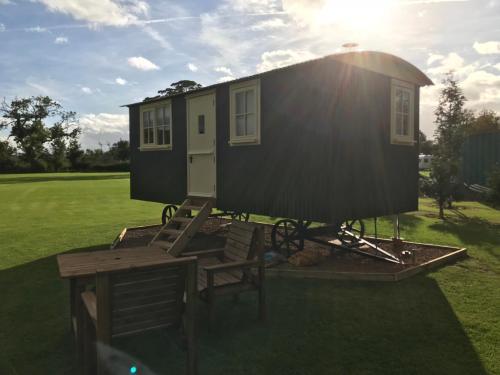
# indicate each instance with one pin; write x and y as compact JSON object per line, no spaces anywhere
{"x":444,"y":322}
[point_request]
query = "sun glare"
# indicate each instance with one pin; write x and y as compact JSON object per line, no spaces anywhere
{"x":355,"y":14}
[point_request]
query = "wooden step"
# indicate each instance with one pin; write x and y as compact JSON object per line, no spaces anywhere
{"x":180,"y":219}
{"x":190,"y":207}
{"x":163,"y":244}
{"x":173,"y":232}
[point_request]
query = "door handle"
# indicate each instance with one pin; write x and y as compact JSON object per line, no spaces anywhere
{"x":191,"y":159}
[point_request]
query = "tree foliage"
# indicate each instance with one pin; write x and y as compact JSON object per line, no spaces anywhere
{"x":27,"y":119}
{"x":486,"y":121}
{"x":178,"y":87}
{"x":451,"y":119}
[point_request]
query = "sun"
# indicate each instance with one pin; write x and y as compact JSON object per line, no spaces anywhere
{"x":354,"y":14}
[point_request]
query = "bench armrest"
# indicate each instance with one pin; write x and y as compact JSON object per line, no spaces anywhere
{"x":90,"y":303}
{"x":205,"y":253}
{"x":232,"y":265}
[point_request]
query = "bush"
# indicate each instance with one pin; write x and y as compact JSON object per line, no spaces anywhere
{"x":493,"y":183}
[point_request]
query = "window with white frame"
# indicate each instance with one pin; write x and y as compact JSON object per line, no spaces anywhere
{"x":245,"y":112}
{"x":156,"y":126}
{"x":402,"y":113}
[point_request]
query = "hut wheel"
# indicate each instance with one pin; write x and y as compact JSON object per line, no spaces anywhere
{"x":287,"y":236}
{"x":167,"y":213}
{"x":241,"y":216}
{"x":356,"y":227}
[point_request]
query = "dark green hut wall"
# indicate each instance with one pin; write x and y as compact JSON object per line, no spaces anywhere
{"x":159,"y":176}
{"x":325,"y":151}
{"x":480,"y":153}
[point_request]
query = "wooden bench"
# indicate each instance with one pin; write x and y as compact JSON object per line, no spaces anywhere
{"x":131,"y":301}
{"x":236,"y":268}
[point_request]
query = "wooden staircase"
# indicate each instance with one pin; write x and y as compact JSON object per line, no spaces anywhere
{"x":176,"y":233}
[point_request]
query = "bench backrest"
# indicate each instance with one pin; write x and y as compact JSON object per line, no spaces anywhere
{"x":240,"y":241}
{"x":142,"y":299}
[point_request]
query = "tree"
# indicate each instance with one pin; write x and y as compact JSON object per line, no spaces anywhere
{"x":7,"y":154}
{"x":486,"y":121}
{"x":179,"y":87}
{"x":74,"y":153}
{"x":426,"y":146}
{"x":120,"y":150}
{"x":61,"y":133}
{"x":451,"y":120}
{"x":26,"y":118}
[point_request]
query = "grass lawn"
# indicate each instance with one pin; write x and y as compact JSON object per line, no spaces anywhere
{"x":444,"y":322}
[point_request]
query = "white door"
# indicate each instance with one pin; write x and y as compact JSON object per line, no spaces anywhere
{"x":201,"y":145}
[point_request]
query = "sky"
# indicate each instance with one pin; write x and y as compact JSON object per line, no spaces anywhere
{"x":95,"y":55}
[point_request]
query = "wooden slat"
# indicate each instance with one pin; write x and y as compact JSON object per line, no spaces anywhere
{"x":147,"y":286}
{"x":130,"y":277}
{"x":145,"y":325}
{"x":243,"y":239}
{"x":124,"y":302}
{"x":138,"y":311}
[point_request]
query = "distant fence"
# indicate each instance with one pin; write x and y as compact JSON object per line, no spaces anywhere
{"x":480,"y":153}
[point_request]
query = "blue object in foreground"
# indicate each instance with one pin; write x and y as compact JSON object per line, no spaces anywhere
{"x":133,"y":370}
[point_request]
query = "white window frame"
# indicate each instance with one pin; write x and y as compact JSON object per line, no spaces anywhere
{"x":233,"y":90}
{"x":154,"y":107}
{"x":399,"y":139}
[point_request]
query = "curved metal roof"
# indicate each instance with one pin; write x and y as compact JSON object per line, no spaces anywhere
{"x":379,"y":62}
{"x":384,"y":63}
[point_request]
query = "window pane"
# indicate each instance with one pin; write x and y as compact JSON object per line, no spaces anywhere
{"x":160,"y":132}
{"x":406,"y":102}
{"x":167,"y":136}
{"x":145,"y":138}
{"x":406,"y":130}
{"x":399,"y":100}
{"x":250,"y":122}
{"x":399,"y":124}
{"x":201,"y":124}
{"x":240,"y":125}
{"x":159,"y":116}
{"x":250,"y":101}
{"x":240,"y":102}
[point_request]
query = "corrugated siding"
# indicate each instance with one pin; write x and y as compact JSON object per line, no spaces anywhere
{"x":159,"y":176}
{"x":480,"y":153}
{"x":325,"y":151}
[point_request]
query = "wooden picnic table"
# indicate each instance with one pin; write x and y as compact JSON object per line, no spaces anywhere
{"x":81,"y":268}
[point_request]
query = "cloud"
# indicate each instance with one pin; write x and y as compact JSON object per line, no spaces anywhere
{"x":273,"y":23}
{"x":4,"y":2}
{"x":120,"y":81}
{"x":36,"y":29}
{"x":279,"y":58}
{"x":223,"y":69}
{"x":2,"y":27}
{"x":86,"y":90}
{"x":192,"y":67}
{"x":487,"y":48}
{"x":61,"y":40}
{"x":103,"y":127}
{"x":451,"y":62}
{"x":225,"y":79}
{"x":100,"y":12}
{"x":142,"y":63}
{"x":497,"y":66}
{"x":155,"y":35}
{"x":433,"y":58}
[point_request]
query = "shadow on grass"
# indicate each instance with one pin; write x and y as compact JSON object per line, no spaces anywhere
{"x":70,"y":177}
{"x":314,"y":327}
{"x":471,"y":231}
